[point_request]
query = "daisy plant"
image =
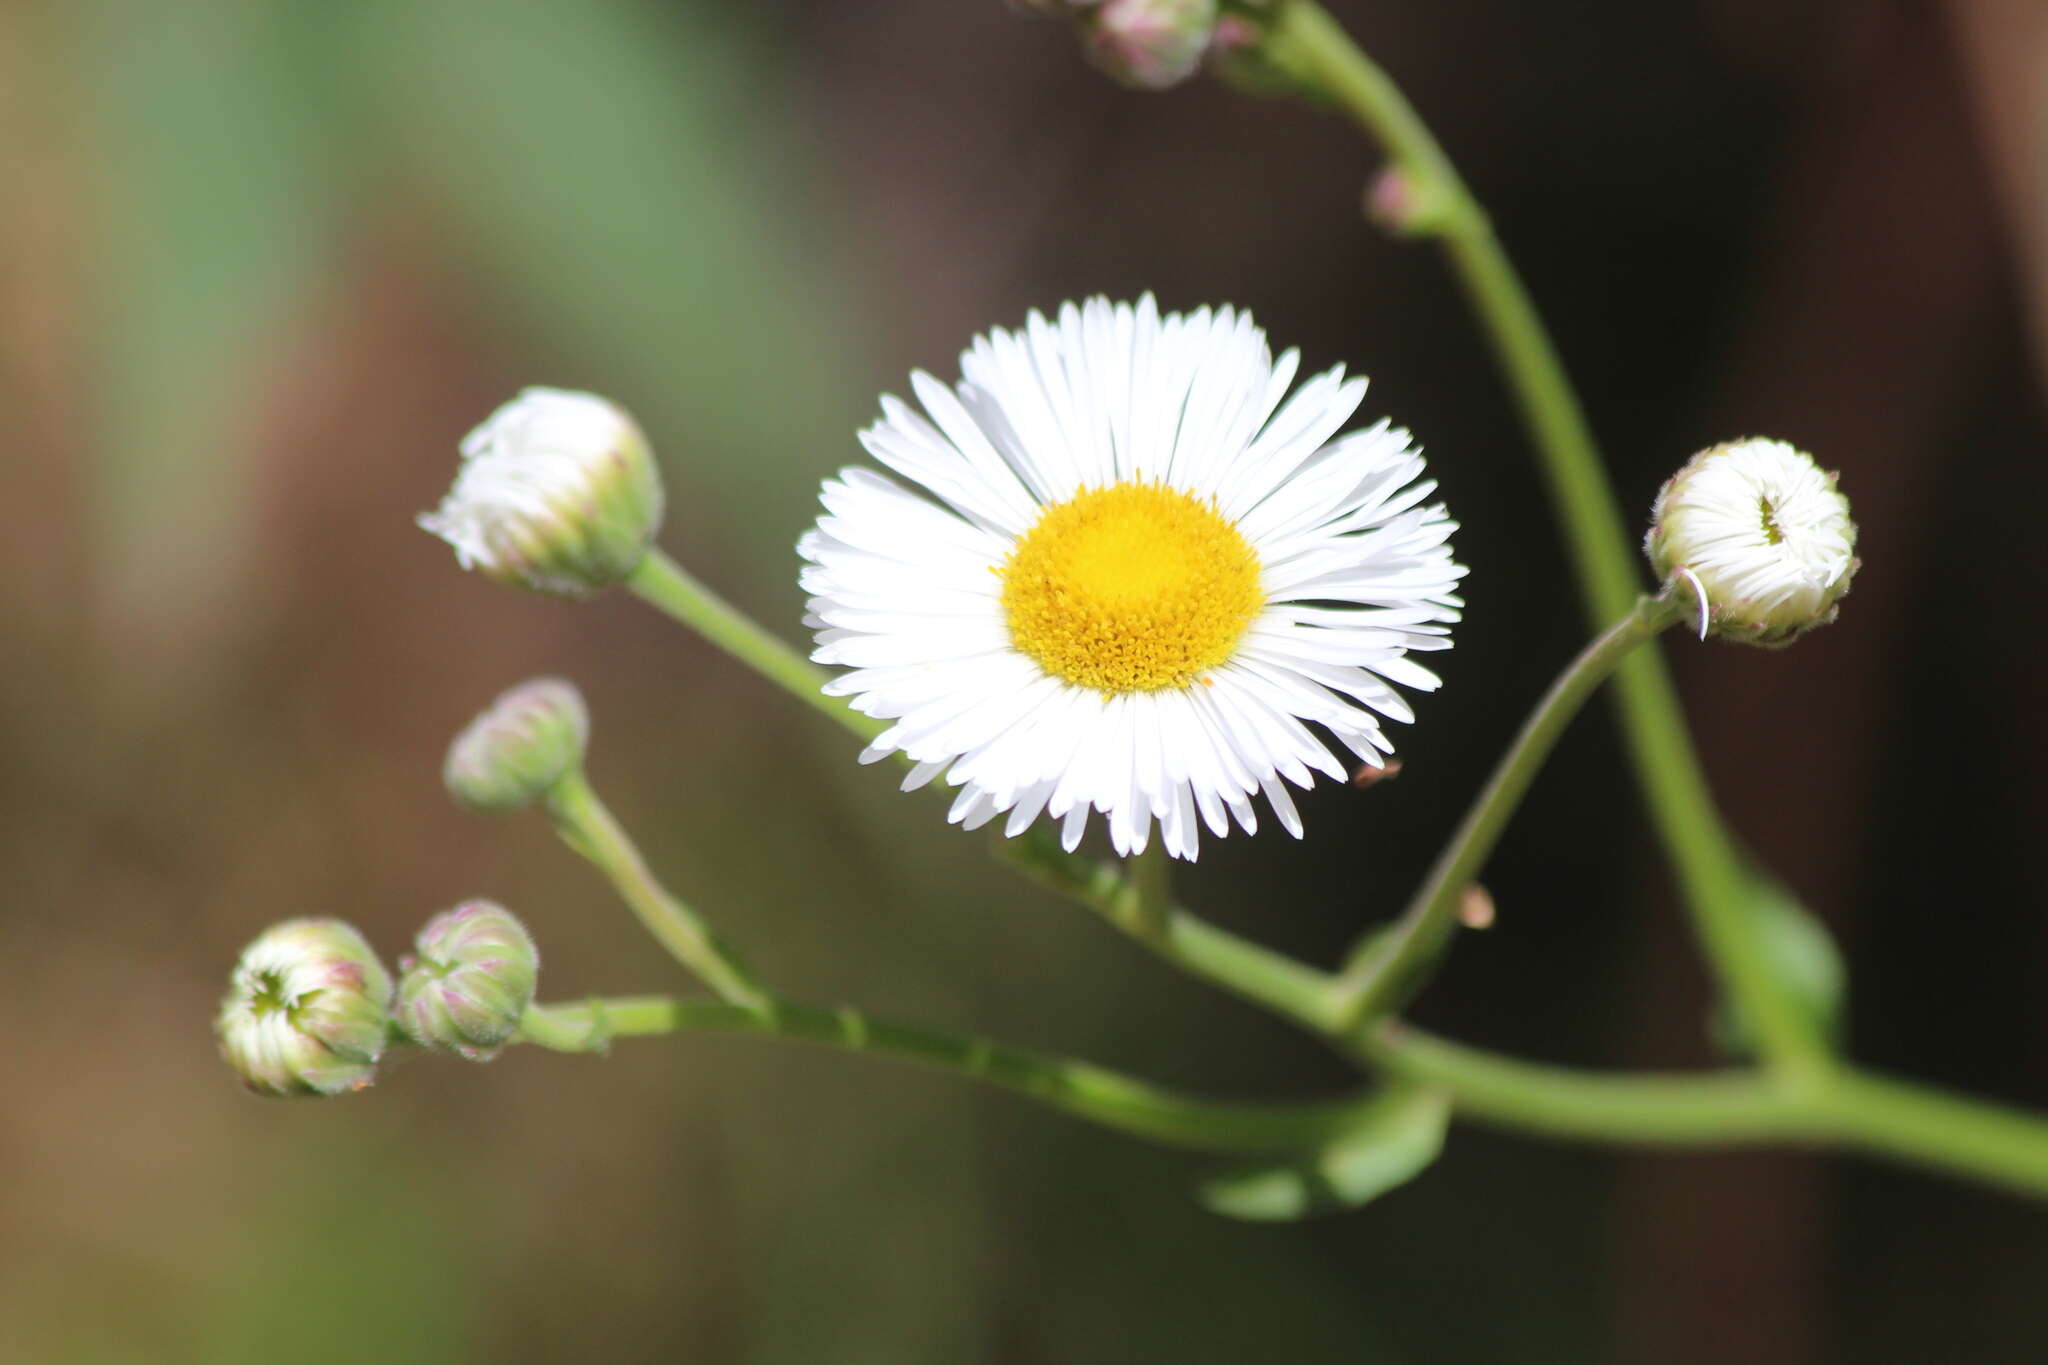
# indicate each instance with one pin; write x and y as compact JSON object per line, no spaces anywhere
{"x":1126,"y":565}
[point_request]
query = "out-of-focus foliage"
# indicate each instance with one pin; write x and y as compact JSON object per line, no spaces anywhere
{"x":611,"y":178}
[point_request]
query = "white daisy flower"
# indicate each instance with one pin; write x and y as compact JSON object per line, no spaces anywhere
{"x":1761,"y":536}
{"x":1139,"y":579}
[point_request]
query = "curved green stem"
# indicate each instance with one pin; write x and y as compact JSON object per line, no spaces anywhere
{"x":1305,"y":42}
{"x":588,"y":827}
{"x":1684,"y":1110}
{"x":1910,"y":1123}
{"x":675,"y":592}
{"x":1271,"y":980}
{"x":1386,"y":966}
{"x":1927,"y":1127}
{"x":1091,"y":1092}
{"x":1314,"y":49}
{"x":1884,"y":1117}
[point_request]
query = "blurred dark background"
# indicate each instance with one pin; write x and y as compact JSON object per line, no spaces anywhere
{"x":262,"y":263}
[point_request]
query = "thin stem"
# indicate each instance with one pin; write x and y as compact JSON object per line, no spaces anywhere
{"x":1920,"y":1127}
{"x":1272,"y":980}
{"x":673,"y":590}
{"x":1948,"y":1132}
{"x":1703,"y":1110}
{"x":1079,"y":1088}
{"x":1385,"y":967}
{"x":1148,"y":892}
{"x":1314,"y":47}
{"x":1305,"y":41}
{"x":588,"y":827}
{"x":1908,"y":1123}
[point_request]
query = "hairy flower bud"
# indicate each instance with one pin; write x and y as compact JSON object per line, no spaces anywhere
{"x":520,"y":746}
{"x":1150,"y":44}
{"x":307,"y":1010}
{"x":470,"y":981}
{"x":1761,"y":538}
{"x":558,"y":493}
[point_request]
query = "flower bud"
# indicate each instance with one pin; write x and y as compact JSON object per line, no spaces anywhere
{"x":470,"y":982}
{"x":558,"y":493}
{"x":307,"y":1010}
{"x":520,"y":746}
{"x":1150,"y":44}
{"x":1761,"y":538}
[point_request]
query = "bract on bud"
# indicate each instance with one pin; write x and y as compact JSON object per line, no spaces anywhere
{"x":520,"y":746}
{"x":1760,"y":538}
{"x":558,"y":493}
{"x":1150,"y":44}
{"x":307,"y":1010}
{"x":470,"y":981}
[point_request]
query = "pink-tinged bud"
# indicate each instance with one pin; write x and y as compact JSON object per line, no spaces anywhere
{"x":1150,"y":44}
{"x":307,"y":1010}
{"x":521,"y":745}
{"x":470,"y":982}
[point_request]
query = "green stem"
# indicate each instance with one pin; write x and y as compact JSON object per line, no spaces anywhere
{"x":1913,"y":1124}
{"x":671,"y":589}
{"x":588,"y":827}
{"x":1307,"y":43}
{"x":1387,"y":966}
{"x":1090,"y":1092}
{"x":1271,"y":980}
{"x":1921,"y":1127}
{"x":1953,"y":1133}
{"x":1148,"y":893}
{"x":1709,"y":1110}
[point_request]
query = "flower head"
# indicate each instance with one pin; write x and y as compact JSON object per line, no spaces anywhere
{"x":306,"y":1010}
{"x":1760,"y":535}
{"x":558,"y":493}
{"x":1143,"y":570}
{"x":519,"y":747}
{"x":470,"y":982}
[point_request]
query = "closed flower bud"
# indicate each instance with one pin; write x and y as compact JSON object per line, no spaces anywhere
{"x":1150,"y":44}
{"x":1759,"y":536}
{"x":558,"y":493}
{"x":307,"y":1010}
{"x":519,"y":748}
{"x":470,"y":980}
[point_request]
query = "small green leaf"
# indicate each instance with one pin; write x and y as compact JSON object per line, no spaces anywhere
{"x":1803,"y":960}
{"x":1397,"y":1136}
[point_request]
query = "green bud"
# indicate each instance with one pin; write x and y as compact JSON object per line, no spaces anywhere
{"x":307,"y":1010}
{"x":558,"y":493}
{"x":470,"y":981}
{"x":522,"y":744}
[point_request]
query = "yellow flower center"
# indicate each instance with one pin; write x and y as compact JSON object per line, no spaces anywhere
{"x":1131,"y":588}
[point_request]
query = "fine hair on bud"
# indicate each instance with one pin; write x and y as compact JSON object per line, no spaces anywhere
{"x":1758,"y":537}
{"x":557,"y":493}
{"x":469,"y":981}
{"x":519,"y":747}
{"x":307,"y":1011}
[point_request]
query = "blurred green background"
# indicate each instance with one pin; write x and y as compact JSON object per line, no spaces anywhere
{"x":262,"y":263}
